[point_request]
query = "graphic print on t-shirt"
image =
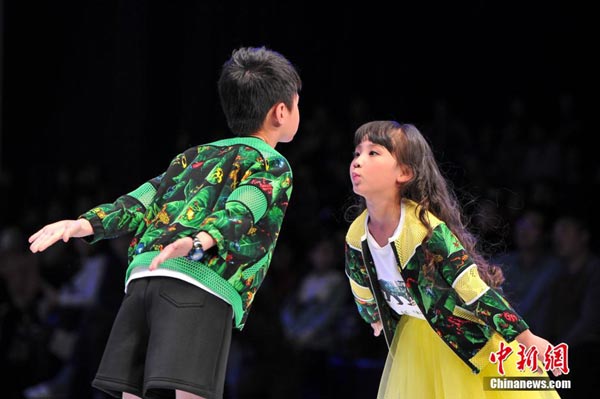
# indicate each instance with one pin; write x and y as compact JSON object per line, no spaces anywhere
{"x":397,"y":296}
{"x":396,"y":290}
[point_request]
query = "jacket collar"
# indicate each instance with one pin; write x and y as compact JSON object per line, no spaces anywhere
{"x":411,"y":236}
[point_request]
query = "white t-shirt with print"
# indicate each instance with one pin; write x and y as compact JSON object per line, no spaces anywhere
{"x":388,"y":273}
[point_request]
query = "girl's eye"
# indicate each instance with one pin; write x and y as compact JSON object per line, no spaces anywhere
{"x":373,"y":153}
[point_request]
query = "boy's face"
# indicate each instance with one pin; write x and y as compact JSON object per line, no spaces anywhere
{"x":291,"y":121}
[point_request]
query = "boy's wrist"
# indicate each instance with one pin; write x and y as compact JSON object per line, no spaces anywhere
{"x":85,"y":227}
{"x":197,"y":251}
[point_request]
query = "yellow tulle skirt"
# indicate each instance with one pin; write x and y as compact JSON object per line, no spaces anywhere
{"x":421,"y":366}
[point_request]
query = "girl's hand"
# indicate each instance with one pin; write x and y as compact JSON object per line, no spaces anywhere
{"x":529,"y":339}
{"x":377,"y":327}
{"x":62,"y":230}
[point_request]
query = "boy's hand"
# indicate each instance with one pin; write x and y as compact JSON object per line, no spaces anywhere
{"x":181,"y":247}
{"x":62,"y":230}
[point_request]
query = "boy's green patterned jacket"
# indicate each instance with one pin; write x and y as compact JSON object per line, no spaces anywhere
{"x":237,"y":190}
{"x":468,"y":315}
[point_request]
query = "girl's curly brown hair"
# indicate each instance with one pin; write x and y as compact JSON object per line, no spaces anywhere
{"x":428,"y":188}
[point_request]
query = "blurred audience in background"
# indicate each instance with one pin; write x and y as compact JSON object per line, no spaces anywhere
{"x":530,"y":260}
{"x":311,"y":315}
{"x":25,"y":356}
{"x":566,"y":308}
{"x":305,"y":338}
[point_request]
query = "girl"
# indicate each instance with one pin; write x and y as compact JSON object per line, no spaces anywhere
{"x":416,"y":275}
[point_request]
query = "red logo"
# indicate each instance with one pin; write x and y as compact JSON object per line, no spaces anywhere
{"x":555,"y":357}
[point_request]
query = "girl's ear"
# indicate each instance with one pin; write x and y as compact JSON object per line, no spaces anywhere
{"x":405,"y":174}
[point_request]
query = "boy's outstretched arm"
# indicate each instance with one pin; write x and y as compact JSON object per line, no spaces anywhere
{"x":64,"y":229}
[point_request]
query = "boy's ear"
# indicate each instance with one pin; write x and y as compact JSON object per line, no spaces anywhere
{"x":278,"y":113}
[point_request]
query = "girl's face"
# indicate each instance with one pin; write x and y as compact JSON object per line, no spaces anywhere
{"x":375,"y":173}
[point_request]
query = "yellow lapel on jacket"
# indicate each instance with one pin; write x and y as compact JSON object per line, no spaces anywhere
{"x":413,"y":232}
{"x":356,"y":232}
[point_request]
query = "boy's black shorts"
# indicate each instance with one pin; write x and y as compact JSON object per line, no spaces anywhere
{"x":168,"y":335}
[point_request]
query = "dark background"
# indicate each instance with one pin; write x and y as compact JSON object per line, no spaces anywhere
{"x":103,"y":81}
{"x":98,"y":96}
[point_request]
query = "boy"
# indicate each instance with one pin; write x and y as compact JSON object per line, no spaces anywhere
{"x":205,"y":231}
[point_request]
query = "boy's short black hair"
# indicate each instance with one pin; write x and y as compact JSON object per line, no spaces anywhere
{"x":251,"y":82}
